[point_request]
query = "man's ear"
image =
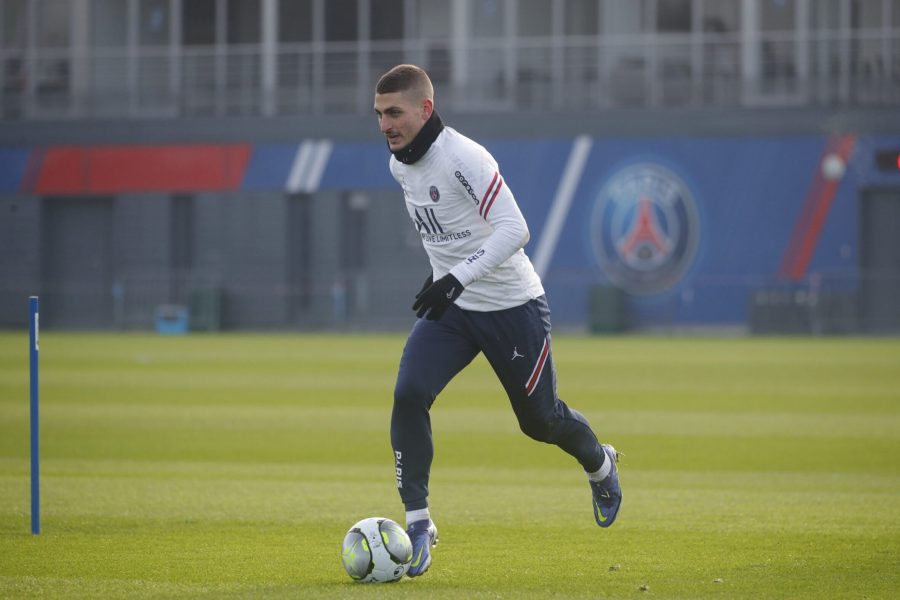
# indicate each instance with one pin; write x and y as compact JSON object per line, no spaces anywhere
{"x":427,"y":108}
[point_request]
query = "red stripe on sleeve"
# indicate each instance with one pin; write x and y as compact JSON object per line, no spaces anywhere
{"x":494,"y":197}
{"x":488,"y":192}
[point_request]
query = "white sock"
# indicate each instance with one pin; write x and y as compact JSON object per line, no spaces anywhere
{"x":603,"y":472}
{"x":417,"y":515}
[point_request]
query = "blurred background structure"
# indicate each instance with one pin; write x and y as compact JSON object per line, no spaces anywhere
{"x":683,"y":164}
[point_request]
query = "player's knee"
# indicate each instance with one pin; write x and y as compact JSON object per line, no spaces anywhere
{"x":539,"y":427}
{"x":410,"y":392}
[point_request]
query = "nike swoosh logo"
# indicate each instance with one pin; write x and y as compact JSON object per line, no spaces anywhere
{"x":450,"y":293}
{"x":600,"y":516}
{"x":416,"y":562}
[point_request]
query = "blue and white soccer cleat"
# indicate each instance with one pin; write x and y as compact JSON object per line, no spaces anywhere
{"x":607,"y":493}
{"x":424,"y":536}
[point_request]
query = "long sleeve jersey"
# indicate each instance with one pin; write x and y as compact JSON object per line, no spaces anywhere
{"x":469,"y":222}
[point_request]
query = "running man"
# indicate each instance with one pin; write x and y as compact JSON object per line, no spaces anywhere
{"x":482,"y":295}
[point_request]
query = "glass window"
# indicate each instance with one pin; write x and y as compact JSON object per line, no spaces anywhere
{"x":776,"y":15}
{"x":433,"y":19}
{"x":535,"y":18}
{"x":721,"y":16}
{"x":486,"y":19}
{"x":198,"y":22}
{"x":825,"y":14}
{"x":867,"y":53}
{"x":866,"y":14}
{"x":626,"y":16}
{"x":777,"y":52}
{"x":341,"y":20}
{"x":295,"y":21}
{"x":581,"y":17}
{"x":154,"y":22}
{"x":12,"y":40}
{"x":53,"y":23}
{"x":386,"y":18}
{"x":153,"y":68}
{"x":13,"y":23}
{"x":243,"y":21}
{"x":673,"y":16}
{"x":109,"y":23}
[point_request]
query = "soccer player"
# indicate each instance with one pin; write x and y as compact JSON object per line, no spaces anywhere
{"x":482,"y":295}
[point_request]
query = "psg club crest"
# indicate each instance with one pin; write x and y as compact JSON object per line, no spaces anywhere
{"x":645,"y":229}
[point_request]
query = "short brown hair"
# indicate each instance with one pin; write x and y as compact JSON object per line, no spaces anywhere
{"x":405,"y":78}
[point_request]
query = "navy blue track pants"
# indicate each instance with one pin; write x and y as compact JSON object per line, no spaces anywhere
{"x":516,"y":343}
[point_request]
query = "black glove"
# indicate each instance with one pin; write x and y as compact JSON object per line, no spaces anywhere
{"x":427,"y":283}
{"x":435,"y":297}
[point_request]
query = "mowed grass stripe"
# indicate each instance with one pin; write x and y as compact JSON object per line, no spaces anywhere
{"x":500,"y":420}
{"x":746,"y":508}
{"x":235,"y":443}
{"x":186,"y":548}
{"x":861,"y":481}
{"x":261,"y":380}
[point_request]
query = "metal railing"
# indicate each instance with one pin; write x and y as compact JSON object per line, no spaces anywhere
{"x":831,"y":68}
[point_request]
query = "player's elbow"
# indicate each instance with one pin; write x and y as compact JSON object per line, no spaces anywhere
{"x":522,"y":234}
{"x":513,"y":232}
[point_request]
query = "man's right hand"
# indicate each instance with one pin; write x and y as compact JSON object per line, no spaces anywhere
{"x":427,"y":284}
{"x":434,"y":299}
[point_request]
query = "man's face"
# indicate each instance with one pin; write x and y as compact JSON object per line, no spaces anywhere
{"x":400,"y":117}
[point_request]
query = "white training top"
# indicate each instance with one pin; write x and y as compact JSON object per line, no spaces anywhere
{"x":469,"y":222}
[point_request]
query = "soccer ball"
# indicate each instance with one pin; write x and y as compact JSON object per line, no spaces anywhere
{"x":376,"y":550}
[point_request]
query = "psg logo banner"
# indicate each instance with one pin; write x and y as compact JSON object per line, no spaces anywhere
{"x":645,"y":229}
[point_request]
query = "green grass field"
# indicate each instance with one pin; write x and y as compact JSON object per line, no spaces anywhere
{"x":231,"y":466}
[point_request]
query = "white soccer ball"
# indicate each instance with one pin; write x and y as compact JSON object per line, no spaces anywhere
{"x":376,"y":550}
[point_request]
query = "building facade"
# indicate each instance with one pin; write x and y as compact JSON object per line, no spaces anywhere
{"x":681,"y":163}
{"x":172,"y":58}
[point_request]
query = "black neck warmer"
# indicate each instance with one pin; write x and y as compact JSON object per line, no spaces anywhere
{"x":417,"y":148}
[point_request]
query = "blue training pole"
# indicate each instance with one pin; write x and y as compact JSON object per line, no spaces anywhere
{"x":33,"y":331}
